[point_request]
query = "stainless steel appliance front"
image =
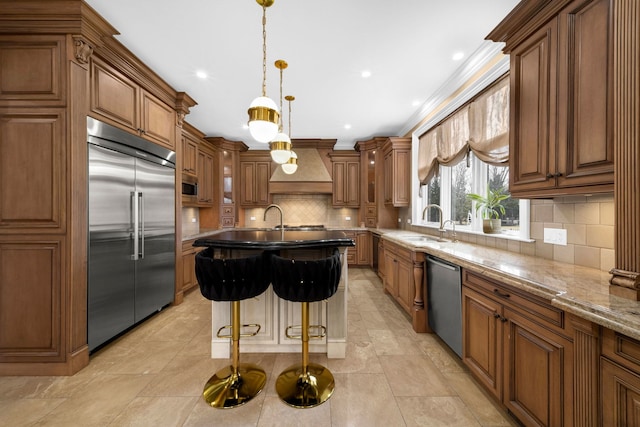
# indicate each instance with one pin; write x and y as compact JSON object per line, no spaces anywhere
{"x":444,"y":296}
{"x":131,"y":231}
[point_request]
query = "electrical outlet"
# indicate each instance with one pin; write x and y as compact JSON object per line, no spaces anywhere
{"x":348,"y":218}
{"x":193,"y":220}
{"x":408,"y":220}
{"x":399,"y":220}
{"x":253,"y":218}
{"x":555,"y":236}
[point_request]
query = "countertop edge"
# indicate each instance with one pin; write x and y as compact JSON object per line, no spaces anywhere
{"x":618,"y":314}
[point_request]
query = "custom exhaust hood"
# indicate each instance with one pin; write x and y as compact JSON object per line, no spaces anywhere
{"x":313,"y":174}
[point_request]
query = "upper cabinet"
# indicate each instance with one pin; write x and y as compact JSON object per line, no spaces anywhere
{"x":397,"y":171}
{"x":118,"y":100}
{"x":190,"y":142}
{"x":255,"y":172}
{"x":226,"y":182}
{"x":346,"y":179}
{"x":373,"y":210}
{"x":561,"y":139}
{"x":206,"y":181}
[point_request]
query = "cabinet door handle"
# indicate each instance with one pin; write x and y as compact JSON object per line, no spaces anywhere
{"x":501,"y":294}
{"x":504,"y":319}
{"x":550,"y":175}
{"x":558,"y":175}
{"x":496,"y":315}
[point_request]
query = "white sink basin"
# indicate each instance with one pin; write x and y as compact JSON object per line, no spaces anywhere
{"x":420,"y":239}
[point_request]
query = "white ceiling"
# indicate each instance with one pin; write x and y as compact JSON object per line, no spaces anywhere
{"x":407,"y":45}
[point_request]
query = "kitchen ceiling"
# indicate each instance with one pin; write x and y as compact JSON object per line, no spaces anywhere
{"x":407,"y":46}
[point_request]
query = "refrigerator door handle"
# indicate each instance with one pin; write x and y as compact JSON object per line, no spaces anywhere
{"x":141,"y":207}
{"x":135,"y":218}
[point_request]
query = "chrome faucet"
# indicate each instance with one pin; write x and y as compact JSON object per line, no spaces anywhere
{"x":424,"y":214}
{"x":453,"y":233}
{"x":273,"y":205}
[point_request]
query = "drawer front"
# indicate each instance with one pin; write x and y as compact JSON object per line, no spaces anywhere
{"x":622,"y":349}
{"x":371,"y":211}
{"x":370,"y":221}
{"x":542,"y":310}
{"x":227,"y":210}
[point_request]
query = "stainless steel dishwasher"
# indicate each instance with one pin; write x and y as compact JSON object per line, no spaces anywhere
{"x":444,"y":295}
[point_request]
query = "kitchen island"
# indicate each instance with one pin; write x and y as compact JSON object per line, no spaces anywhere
{"x":272,"y":313}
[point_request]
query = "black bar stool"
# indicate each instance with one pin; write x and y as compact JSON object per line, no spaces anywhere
{"x":233,"y":280}
{"x":305,"y":385}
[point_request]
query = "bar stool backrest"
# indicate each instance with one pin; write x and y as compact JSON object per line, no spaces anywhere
{"x":306,"y":280}
{"x":232,"y":279}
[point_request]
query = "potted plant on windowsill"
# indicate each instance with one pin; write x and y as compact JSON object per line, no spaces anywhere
{"x":490,"y":208}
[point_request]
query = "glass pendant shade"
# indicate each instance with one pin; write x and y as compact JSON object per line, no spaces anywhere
{"x":280,"y":148}
{"x":263,"y":119}
{"x":292,"y":164}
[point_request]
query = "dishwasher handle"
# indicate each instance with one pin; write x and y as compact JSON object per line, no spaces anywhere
{"x":442,"y":264}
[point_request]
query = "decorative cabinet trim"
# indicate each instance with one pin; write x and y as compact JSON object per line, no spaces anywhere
{"x":82,"y":49}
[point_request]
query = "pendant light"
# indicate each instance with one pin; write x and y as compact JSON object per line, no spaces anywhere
{"x":292,"y":164}
{"x":281,"y":145}
{"x":263,"y":112}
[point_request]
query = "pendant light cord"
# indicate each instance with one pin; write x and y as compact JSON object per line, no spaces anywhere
{"x":264,"y":49}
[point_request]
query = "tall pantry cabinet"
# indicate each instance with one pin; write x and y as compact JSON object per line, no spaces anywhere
{"x":43,"y":174}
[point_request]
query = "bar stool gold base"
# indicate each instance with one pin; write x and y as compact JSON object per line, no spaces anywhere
{"x":305,"y":391}
{"x":227,"y":389}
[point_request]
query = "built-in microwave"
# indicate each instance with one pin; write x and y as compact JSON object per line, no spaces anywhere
{"x":189,"y":188}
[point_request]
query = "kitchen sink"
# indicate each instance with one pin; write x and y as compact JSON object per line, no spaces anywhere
{"x":420,"y":239}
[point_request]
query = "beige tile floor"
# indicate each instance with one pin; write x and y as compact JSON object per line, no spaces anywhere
{"x":153,"y":376}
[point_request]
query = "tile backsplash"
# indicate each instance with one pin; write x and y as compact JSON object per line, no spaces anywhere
{"x":303,"y":209}
{"x":190,"y":221}
{"x":589,"y":221}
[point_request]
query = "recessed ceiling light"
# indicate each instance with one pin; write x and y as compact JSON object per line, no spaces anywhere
{"x":201,"y":74}
{"x":415,"y":103}
{"x":347,"y":126}
{"x":457,"y":56}
{"x":366,"y":74}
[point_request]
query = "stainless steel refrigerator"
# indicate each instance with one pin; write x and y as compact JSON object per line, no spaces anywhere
{"x":131,"y":271}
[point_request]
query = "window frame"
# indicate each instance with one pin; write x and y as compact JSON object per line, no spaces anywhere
{"x":478,"y":186}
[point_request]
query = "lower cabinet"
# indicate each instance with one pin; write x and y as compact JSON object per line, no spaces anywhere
{"x":189,"y":252}
{"x":404,"y":280}
{"x":620,"y":380}
{"x":517,"y":345}
{"x":360,"y":254}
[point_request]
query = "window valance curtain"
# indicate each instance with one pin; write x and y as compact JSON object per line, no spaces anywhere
{"x":481,"y":126}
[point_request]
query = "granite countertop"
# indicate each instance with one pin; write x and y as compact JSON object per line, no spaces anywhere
{"x":268,"y":239}
{"x":581,"y":291}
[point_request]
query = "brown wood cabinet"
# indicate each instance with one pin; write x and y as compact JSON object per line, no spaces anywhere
{"x":189,"y":279}
{"x":404,"y":280}
{"x":374,"y":212}
{"x":189,"y":154}
{"x":120,"y":101}
{"x":561,"y":124}
{"x":205,"y":167}
{"x":397,"y":171}
{"x":363,"y":241}
{"x":346,"y":179}
{"x":255,"y":172}
{"x":620,"y":376}
{"x":226,"y":182}
{"x":518,"y":346}
{"x":72,"y":74}
{"x":360,"y":254}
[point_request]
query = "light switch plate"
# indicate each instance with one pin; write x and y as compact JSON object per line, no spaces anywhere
{"x":555,"y":236}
